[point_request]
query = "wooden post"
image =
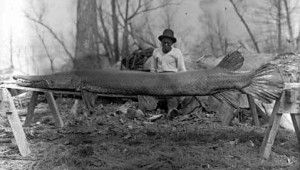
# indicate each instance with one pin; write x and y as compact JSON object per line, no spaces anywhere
{"x":30,"y":109}
{"x":289,"y":102}
{"x":8,"y":107}
{"x":271,"y":132}
{"x":253,"y":109}
{"x":89,"y":101}
{"x":54,"y":109}
{"x":292,"y":105}
{"x":296,"y":125}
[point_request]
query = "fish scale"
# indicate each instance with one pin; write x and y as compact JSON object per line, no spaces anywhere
{"x":264,"y":83}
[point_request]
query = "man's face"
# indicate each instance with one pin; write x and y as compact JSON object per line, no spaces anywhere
{"x":166,"y":45}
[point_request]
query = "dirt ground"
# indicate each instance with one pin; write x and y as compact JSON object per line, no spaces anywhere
{"x":109,"y":139}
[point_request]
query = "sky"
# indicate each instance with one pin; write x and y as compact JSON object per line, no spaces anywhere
{"x":29,"y":56}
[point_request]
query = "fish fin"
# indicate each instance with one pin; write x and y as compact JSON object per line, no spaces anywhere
{"x":266,"y":83}
{"x":232,"y":61}
{"x":229,"y":97}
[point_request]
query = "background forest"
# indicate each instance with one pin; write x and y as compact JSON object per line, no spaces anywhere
{"x":41,"y":36}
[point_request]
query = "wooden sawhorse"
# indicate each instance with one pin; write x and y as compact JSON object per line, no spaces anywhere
{"x":7,"y":107}
{"x":289,"y":103}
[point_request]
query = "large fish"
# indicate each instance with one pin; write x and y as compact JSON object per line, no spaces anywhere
{"x":265,"y":83}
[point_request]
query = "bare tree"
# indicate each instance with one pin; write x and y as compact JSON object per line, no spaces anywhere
{"x":115,"y":31}
{"x":246,"y":26}
{"x":105,"y":39}
{"x":37,"y":19}
{"x":87,"y":50}
{"x":168,"y":14}
{"x":279,"y":29}
{"x":216,"y":32}
{"x":125,"y":44}
{"x":50,"y":57}
{"x":132,"y":9}
{"x":289,"y":23}
{"x":11,"y":48}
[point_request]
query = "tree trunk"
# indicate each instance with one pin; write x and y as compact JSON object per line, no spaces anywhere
{"x":279,"y":34}
{"x":106,"y":39}
{"x":298,"y":41}
{"x":212,"y":46}
{"x":86,"y":52}
{"x":11,"y":48}
{"x":289,"y":24}
{"x":125,"y":46}
{"x":115,"y":31}
{"x":246,"y":26}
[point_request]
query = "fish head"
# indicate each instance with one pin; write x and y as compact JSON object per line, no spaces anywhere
{"x":54,"y":81}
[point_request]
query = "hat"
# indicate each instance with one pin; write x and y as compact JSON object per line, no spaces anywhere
{"x":168,"y":33}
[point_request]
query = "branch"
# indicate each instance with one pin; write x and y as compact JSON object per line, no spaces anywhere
{"x":44,"y":44}
{"x":142,"y":38}
{"x":139,"y":12}
{"x":246,"y":26}
{"x":106,"y":40}
{"x":136,"y":10}
{"x":52,"y":33}
{"x":46,"y":49}
{"x":120,"y":11}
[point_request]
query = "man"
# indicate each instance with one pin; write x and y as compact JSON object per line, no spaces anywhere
{"x":166,"y":59}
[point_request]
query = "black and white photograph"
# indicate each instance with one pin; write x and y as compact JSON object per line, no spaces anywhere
{"x":149,"y":84}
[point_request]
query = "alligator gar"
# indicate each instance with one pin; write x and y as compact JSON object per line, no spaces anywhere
{"x":264,"y":83}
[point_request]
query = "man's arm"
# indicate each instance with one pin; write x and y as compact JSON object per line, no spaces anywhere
{"x":180,"y":62}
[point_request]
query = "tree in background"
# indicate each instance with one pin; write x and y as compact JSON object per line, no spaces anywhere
{"x":276,"y":20}
{"x":37,"y":16}
{"x":278,"y":6}
{"x":87,"y":51}
{"x":253,"y":39}
{"x":115,"y":25}
{"x":168,"y":14}
{"x":38,"y":20}
{"x":216,"y":38}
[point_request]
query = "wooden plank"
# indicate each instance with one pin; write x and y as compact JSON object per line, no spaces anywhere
{"x":271,"y":131}
{"x":253,"y":110}
{"x":15,"y":86}
{"x":89,"y":100}
{"x":9,"y":108}
{"x":61,"y":91}
{"x":54,"y":109}
{"x":290,"y":101}
{"x":291,"y":85}
{"x":31,"y":107}
{"x":296,"y":123}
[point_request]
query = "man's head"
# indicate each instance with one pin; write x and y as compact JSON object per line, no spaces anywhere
{"x":167,"y":39}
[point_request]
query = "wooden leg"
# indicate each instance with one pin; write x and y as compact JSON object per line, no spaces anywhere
{"x":253,"y":110}
{"x":75,"y":107}
{"x":31,"y":107}
{"x":271,"y":132}
{"x":296,"y":123}
{"x":228,"y":113}
{"x":89,"y":100}
{"x":9,"y":108}
{"x":54,"y":109}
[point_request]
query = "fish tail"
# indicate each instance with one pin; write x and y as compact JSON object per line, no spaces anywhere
{"x":266,"y":83}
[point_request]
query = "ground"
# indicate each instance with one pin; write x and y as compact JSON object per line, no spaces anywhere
{"x":109,"y":139}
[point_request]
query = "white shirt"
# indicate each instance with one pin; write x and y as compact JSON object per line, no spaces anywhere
{"x":170,"y":62}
